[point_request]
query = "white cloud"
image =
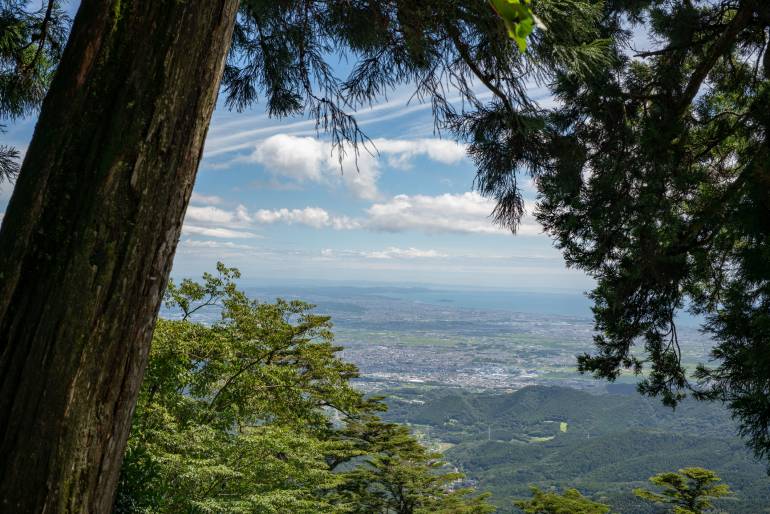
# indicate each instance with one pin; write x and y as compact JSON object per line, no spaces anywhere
{"x":461,"y":213}
{"x":311,"y":216}
{"x":209,"y":215}
{"x":205,"y":199}
{"x":391,"y":252}
{"x":300,"y":158}
{"x":400,"y":152}
{"x":216,"y":232}
{"x":215,"y":215}
{"x":308,"y":159}
{"x":467,"y":213}
{"x":403,"y":253}
{"x":193,"y":243}
{"x":242,"y":214}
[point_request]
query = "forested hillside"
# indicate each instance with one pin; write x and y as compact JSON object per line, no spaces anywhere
{"x":604,"y":445}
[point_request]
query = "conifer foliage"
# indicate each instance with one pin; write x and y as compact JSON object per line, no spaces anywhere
{"x":688,"y":491}
{"x":654,"y":175}
{"x":31,"y":41}
{"x":570,"y":502}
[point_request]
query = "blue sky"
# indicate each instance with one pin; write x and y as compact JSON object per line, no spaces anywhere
{"x":271,"y":199}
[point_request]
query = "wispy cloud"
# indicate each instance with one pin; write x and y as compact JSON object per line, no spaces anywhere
{"x":392,"y":252}
{"x":401,"y":152}
{"x":205,"y":199}
{"x":209,"y":244}
{"x":235,"y":135}
{"x":221,"y":232}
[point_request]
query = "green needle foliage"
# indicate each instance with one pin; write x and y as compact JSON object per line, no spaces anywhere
{"x":688,"y":491}
{"x":256,"y":413}
{"x":31,"y":41}
{"x":571,"y":502}
{"x":654,"y":175}
{"x":446,"y":52}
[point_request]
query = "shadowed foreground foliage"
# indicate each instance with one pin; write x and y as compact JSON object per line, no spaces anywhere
{"x":256,"y":413}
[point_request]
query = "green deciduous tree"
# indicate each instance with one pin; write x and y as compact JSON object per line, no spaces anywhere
{"x":688,"y":491}
{"x":570,"y":502}
{"x":256,"y":413}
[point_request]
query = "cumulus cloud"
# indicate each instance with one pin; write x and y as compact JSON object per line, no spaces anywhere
{"x":300,"y":158}
{"x":311,"y":216}
{"x":208,"y":214}
{"x":454,"y":213}
{"x":308,"y":159}
{"x":217,"y":222}
{"x":468,"y":213}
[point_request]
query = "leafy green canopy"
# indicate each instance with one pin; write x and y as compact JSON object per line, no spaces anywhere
{"x":31,"y":41}
{"x":256,"y":413}
{"x":571,"y":502}
{"x":654,"y":178}
{"x":688,"y":491}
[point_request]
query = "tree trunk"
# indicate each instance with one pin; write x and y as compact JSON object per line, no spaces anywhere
{"x":88,"y":240}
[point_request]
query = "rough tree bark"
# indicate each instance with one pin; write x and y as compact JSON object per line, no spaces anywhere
{"x":88,"y":239}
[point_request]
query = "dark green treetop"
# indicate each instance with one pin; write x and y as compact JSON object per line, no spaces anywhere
{"x":570,"y":502}
{"x":688,"y":491}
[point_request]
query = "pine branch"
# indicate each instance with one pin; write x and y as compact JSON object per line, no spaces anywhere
{"x":727,"y":39}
